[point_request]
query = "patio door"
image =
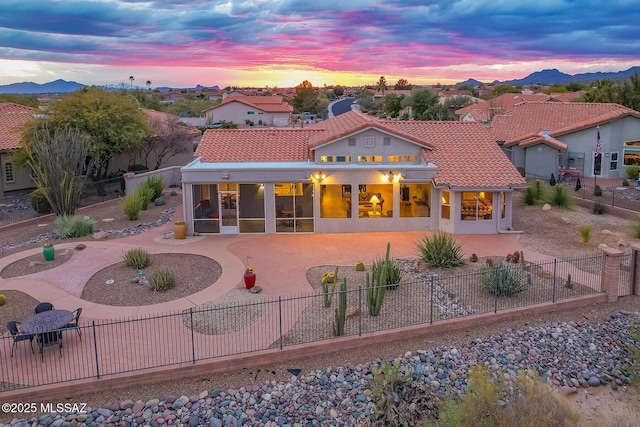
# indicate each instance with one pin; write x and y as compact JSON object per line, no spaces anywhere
{"x":228,"y":203}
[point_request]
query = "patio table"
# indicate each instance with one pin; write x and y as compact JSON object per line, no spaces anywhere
{"x":46,"y":321}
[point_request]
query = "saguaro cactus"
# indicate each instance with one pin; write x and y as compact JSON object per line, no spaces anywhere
{"x":377,"y":287}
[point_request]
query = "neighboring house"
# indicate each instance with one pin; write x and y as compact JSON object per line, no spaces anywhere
{"x":350,"y":173}
{"x":380,"y":95}
{"x":215,"y":95}
{"x":265,"y":110}
{"x":504,"y":104}
{"x":170,"y":145}
{"x":13,"y":118}
{"x":542,"y":138}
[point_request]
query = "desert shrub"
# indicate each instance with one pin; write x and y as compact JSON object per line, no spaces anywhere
{"x":538,"y":189}
{"x":145,"y":195}
{"x":632,"y":344}
{"x":626,"y":415}
{"x":560,"y":197}
{"x":585,"y":233}
{"x":69,"y":226}
{"x":3,"y":299}
{"x":138,"y":258}
{"x":529,"y":197}
{"x":441,"y":250}
{"x":131,"y":205}
{"x":599,"y":208}
{"x":597,"y":191}
{"x":635,"y":231}
{"x":39,"y":202}
{"x":633,"y":171}
{"x":491,"y":400}
{"x":162,"y":280}
{"x":394,"y":271}
{"x":502,"y":280}
{"x":625,"y":183}
{"x":156,"y":184}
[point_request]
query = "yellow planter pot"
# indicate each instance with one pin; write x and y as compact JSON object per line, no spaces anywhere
{"x":180,"y":231}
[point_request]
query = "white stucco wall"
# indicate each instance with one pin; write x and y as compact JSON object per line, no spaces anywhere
{"x":237,"y":113}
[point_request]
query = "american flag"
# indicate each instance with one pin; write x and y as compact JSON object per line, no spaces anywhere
{"x":598,"y":144}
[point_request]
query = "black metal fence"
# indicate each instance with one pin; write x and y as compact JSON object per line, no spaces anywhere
{"x":211,"y":331}
{"x":621,"y":197}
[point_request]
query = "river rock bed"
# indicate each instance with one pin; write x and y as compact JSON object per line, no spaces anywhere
{"x":570,"y":355}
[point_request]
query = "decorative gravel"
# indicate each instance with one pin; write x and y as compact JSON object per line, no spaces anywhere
{"x":570,"y":355}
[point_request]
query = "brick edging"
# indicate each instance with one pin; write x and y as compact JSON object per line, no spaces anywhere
{"x":60,"y":392}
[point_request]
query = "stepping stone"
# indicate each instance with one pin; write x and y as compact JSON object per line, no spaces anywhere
{"x":107,"y":220}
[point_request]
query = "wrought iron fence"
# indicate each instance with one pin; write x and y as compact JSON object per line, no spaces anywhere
{"x":627,"y":276}
{"x":211,"y":331}
{"x":621,"y":197}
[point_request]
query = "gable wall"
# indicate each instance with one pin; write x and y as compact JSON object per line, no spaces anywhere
{"x":237,"y":113}
{"x":341,"y":147}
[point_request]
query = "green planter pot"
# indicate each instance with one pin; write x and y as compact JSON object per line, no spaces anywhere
{"x":49,"y":253}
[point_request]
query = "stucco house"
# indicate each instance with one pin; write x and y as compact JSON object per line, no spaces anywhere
{"x":260,"y":110}
{"x":541,"y":138}
{"x":13,"y":118}
{"x":350,"y":173}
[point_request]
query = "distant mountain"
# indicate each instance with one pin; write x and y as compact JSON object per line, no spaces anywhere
{"x":58,"y":86}
{"x":472,"y":82}
{"x":555,"y":77}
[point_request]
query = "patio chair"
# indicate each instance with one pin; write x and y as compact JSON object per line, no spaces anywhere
{"x":74,"y":323}
{"x":43,"y":306}
{"x":18,"y":336}
{"x":49,"y":339}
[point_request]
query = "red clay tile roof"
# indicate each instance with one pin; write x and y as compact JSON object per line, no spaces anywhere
{"x":249,"y":145}
{"x":464,"y":152}
{"x":13,"y":118}
{"x":503,"y":104}
{"x":268,"y":104}
{"x":554,"y":118}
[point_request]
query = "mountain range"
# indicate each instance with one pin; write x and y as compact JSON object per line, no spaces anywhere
{"x":544,"y":77}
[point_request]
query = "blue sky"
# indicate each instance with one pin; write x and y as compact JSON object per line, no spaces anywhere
{"x":181,"y":43}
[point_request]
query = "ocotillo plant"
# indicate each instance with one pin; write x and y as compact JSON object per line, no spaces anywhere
{"x":377,"y":286}
{"x":341,"y":310}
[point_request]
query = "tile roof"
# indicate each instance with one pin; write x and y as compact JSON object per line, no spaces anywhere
{"x":553,"y":118}
{"x":13,"y":118}
{"x":249,"y":145}
{"x":268,"y":104}
{"x":503,"y":104}
{"x":464,"y":152}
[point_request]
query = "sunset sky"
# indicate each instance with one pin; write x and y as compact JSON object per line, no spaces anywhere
{"x":182,"y":43}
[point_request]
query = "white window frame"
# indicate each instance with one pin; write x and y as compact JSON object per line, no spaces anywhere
{"x":369,"y":142}
{"x":616,"y":161}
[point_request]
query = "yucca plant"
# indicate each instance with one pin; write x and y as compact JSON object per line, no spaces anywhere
{"x":440,"y":250}
{"x":69,"y":226}
{"x":502,"y":280}
{"x":145,"y":195}
{"x":537,"y":188}
{"x":585,"y":233}
{"x":529,"y":197}
{"x":560,"y":197}
{"x":162,"y":280}
{"x":635,"y":232}
{"x":137,"y":258}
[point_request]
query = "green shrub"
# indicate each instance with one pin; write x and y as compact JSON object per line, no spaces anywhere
{"x":635,"y":232}
{"x":3,"y":299}
{"x":162,"y":280}
{"x":491,"y":401}
{"x":440,"y":250}
{"x":138,"y":258}
{"x":560,"y":197}
{"x":597,"y":191}
{"x":502,"y":280}
{"x":585,"y":233}
{"x":529,"y":197}
{"x":69,"y":226}
{"x":145,"y":195}
{"x":537,"y":187}
{"x":599,"y":208}
{"x":625,"y":183}
{"x":632,"y":344}
{"x":39,"y":202}
{"x":156,"y":184}
{"x":394,"y":271}
{"x":131,"y":205}
{"x":633,"y":171}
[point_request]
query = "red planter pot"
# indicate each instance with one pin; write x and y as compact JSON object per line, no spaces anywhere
{"x":249,"y":279}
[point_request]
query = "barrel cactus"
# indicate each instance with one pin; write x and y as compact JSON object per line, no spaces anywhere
{"x":3,"y":299}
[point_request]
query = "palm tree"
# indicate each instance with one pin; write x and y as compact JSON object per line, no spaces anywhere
{"x":131,"y":79}
{"x":148,"y":85}
{"x":381,"y":86}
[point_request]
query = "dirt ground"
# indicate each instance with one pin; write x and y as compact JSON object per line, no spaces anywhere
{"x":554,"y":232}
